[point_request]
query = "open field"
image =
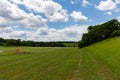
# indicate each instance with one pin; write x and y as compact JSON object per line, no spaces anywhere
{"x":100,"y":61}
{"x":74,"y":44}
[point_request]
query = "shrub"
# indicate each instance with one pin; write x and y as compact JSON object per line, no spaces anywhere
{"x":115,"y":33}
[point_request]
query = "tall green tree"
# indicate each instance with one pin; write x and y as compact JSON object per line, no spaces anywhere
{"x":100,"y":32}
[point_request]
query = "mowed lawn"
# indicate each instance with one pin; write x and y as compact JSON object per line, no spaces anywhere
{"x":100,"y":61}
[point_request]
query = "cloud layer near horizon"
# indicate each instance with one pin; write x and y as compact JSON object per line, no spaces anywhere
{"x":39,"y":31}
{"x":72,"y":33}
{"x":30,"y":19}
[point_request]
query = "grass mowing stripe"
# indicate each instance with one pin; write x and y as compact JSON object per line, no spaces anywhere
{"x":29,"y":61}
{"x":23,"y":58}
{"x":74,"y":75}
{"x":108,"y":53}
{"x":59,"y":67}
{"x":26,"y":69}
{"x":8,"y":68}
{"x":103,"y":70}
{"x":87,"y":70}
{"x":53,"y":69}
{"x":42,"y":61}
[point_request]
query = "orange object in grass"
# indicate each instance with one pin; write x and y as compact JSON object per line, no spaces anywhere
{"x":17,"y":51}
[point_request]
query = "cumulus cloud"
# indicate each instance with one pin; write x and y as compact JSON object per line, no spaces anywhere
{"x":19,"y":34}
{"x":78,"y":16}
{"x":42,"y":31}
{"x":59,"y":16}
{"x":14,"y":34}
{"x":109,"y":13}
{"x":53,"y":12}
{"x":14,"y":12}
{"x":117,"y":1}
{"x":106,"y":5}
{"x":18,"y":17}
{"x":72,"y":33}
{"x":85,"y":3}
{"x":5,"y":29}
{"x":72,"y":2}
{"x":50,"y":8}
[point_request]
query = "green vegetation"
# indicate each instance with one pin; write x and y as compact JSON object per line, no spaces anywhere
{"x":100,"y":32}
{"x":18,"y":42}
{"x":108,"y":53}
{"x":115,"y":33}
{"x":70,"y":44}
{"x":97,"y":62}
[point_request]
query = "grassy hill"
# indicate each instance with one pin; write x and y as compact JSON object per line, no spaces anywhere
{"x":107,"y":53}
{"x":100,"y":61}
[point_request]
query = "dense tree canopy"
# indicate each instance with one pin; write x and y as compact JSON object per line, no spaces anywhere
{"x":18,"y":42}
{"x":100,"y":32}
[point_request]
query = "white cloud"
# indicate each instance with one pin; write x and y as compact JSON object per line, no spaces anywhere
{"x":30,"y":4}
{"x":59,"y":16}
{"x":50,"y":8}
{"x":53,"y":12}
{"x":85,"y":3}
{"x":19,"y":34}
{"x":6,"y":30}
{"x":11,"y":33}
{"x":35,"y":21}
{"x":42,"y":31}
{"x":117,"y":1}
{"x":109,"y":13}
{"x":78,"y":16}
{"x":72,"y":2}
{"x":14,"y":12}
{"x":72,"y":33}
{"x":106,"y":5}
{"x":18,"y":17}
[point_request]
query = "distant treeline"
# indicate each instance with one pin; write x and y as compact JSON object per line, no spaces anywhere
{"x":100,"y":32}
{"x":18,"y":42}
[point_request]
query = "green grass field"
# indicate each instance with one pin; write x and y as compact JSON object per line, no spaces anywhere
{"x":100,"y":61}
{"x":71,"y":44}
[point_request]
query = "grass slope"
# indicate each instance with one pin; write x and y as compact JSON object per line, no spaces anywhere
{"x":97,"y":62}
{"x":108,"y":54}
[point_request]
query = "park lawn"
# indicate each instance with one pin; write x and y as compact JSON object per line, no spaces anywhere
{"x":96,"y":62}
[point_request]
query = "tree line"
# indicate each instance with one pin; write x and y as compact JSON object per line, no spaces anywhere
{"x":100,"y":32}
{"x":19,"y":42}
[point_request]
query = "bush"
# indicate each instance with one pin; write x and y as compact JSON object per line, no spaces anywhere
{"x":115,"y":33}
{"x":81,"y":44}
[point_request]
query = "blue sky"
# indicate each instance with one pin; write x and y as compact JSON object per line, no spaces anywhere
{"x":53,"y":20}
